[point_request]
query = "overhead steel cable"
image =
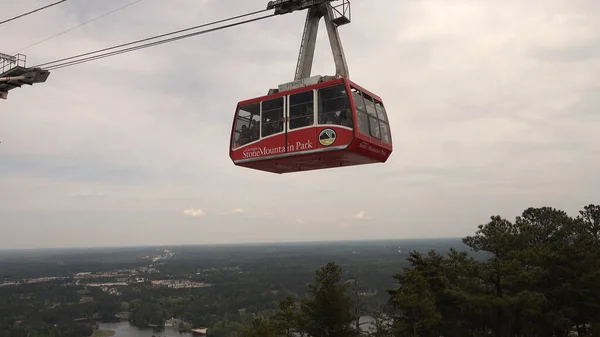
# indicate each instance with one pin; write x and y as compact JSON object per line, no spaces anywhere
{"x":122,"y":51}
{"x":56,"y":64}
{"x":81,"y":24}
{"x":31,"y":12}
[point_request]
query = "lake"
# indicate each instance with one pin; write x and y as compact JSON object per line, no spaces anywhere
{"x":124,"y":329}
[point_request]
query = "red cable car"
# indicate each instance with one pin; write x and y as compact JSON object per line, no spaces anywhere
{"x":314,"y":122}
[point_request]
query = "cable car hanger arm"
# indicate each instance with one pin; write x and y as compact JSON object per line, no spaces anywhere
{"x":317,"y":9}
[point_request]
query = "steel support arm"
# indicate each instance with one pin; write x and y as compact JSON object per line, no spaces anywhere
{"x":309,"y":40}
{"x":341,"y":67}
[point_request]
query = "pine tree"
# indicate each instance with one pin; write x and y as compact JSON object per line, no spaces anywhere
{"x":327,"y":312}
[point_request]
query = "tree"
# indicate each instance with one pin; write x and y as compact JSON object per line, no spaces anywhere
{"x":285,"y":319}
{"x":359,"y":305}
{"x":540,"y":278}
{"x":381,"y":324}
{"x":326,"y":312}
{"x":260,"y":327}
{"x":415,"y":301}
{"x":227,"y":329}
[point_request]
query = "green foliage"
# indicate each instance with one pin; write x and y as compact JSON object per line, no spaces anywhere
{"x":227,"y":329}
{"x":37,"y":329}
{"x":286,"y":318}
{"x":327,"y":310}
{"x":261,"y":327}
{"x":541,"y":278}
{"x":144,"y":314}
{"x":416,"y":302}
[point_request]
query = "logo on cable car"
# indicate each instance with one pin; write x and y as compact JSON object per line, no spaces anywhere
{"x":327,"y":137}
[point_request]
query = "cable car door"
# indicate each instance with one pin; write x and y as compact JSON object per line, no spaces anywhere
{"x":301,"y":128}
{"x":273,"y":126}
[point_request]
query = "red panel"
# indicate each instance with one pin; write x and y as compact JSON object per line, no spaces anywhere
{"x":265,"y":147}
{"x":369,"y":149}
{"x":309,"y":162}
{"x":302,"y":140}
{"x":375,"y":141}
{"x":297,"y":141}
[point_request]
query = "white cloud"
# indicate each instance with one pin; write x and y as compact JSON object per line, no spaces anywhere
{"x":300,"y":221}
{"x":194,"y":212}
{"x":238,"y":211}
{"x":361,"y":216}
{"x":87,"y":194}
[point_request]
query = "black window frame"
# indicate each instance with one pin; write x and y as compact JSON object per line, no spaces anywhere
{"x":309,"y":104}
{"x":281,"y":115}
{"x":384,"y":122}
{"x":346,"y":107}
{"x":361,"y":111}
{"x":240,"y":121}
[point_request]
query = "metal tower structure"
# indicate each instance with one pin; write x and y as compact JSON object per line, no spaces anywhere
{"x":14,"y":73}
{"x":334,"y":16}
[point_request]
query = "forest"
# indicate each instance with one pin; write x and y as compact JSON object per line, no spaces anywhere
{"x":541,"y":278}
{"x":538,"y":275}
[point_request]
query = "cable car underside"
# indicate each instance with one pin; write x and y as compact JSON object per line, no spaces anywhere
{"x":313,"y":122}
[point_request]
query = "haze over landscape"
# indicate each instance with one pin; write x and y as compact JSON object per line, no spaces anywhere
{"x":493,"y":108}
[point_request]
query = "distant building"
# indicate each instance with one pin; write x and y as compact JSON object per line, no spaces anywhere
{"x":201,"y":331}
{"x":173,"y":322}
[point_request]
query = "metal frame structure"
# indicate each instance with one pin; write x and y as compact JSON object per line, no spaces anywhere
{"x":334,"y":16}
{"x":7,"y":62}
{"x":14,"y":73}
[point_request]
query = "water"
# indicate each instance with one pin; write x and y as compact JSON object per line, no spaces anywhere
{"x":124,"y":329}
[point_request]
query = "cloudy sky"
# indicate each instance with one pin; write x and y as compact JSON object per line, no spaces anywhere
{"x":493,"y":108}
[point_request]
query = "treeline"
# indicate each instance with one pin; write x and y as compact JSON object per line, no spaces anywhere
{"x":53,"y":309}
{"x":541,"y":278}
{"x":17,"y":265}
{"x":36,"y":329}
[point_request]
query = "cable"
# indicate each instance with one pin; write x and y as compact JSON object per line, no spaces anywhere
{"x":84,"y":23}
{"x":92,"y":58}
{"x":33,"y":11}
{"x":151,"y":38}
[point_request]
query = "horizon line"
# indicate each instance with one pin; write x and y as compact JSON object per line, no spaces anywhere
{"x":225,"y":244}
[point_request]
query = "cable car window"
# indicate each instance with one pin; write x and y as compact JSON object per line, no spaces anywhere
{"x":363,"y":122}
{"x":363,"y":119}
{"x":381,"y":114}
{"x":385,"y":133}
{"x":359,"y":103}
{"x":254,"y":128}
{"x":301,"y":109}
{"x":272,"y":117}
{"x":369,"y":105}
{"x":247,"y":124}
{"x":334,"y":106}
{"x":374,"y":125}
